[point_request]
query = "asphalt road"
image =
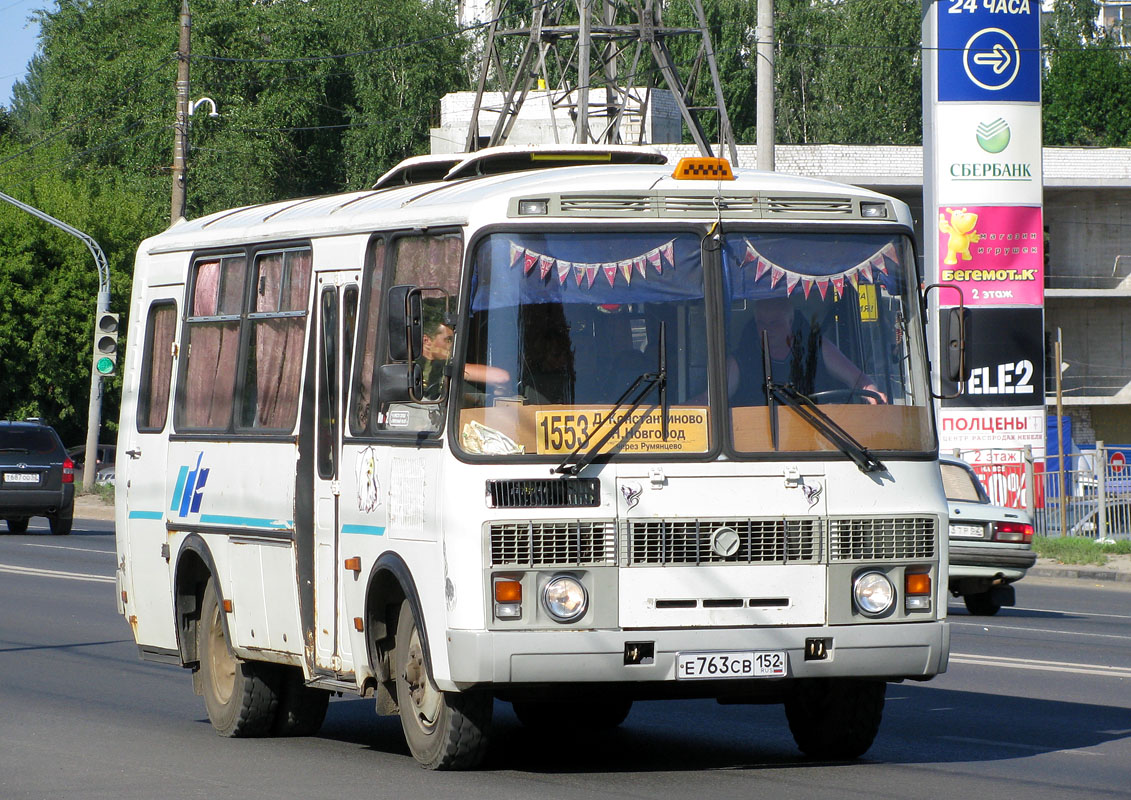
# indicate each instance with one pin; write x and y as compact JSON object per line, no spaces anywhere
{"x":1036,"y":705}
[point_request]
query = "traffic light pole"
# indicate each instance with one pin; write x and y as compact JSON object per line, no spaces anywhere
{"x":94,"y":410}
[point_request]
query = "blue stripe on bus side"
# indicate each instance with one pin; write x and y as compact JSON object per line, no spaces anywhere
{"x":372,"y":530}
{"x":246,"y":522}
{"x":146,"y":515}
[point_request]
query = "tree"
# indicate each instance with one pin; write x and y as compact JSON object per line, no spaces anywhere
{"x":316,"y":96}
{"x":1087,"y":81}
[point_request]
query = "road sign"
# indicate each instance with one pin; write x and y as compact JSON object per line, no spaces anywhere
{"x":1117,"y":461}
{"x":989,"y":50}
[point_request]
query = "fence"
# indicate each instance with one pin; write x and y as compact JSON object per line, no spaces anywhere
{"x":1090,"y":497}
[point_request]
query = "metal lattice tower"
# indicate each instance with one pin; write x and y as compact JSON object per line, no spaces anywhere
{"x":573,"y":47}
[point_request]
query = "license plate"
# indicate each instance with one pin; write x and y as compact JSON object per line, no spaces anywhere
{"x":21,"y":477}
{"x":968,"y":531}
{"x":760,"y":664}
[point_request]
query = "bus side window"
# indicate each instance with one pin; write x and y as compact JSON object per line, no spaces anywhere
{"x":156,"y":367}
{"x":276,"y":319}
{"x":431,"y":262}
{"x":210,"y":343}
{"x":362,"y":408}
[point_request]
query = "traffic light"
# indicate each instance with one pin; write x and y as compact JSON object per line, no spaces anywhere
{"x":106,"y":343}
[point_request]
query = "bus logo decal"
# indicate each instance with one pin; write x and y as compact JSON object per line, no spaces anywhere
{"x":189,"y":489}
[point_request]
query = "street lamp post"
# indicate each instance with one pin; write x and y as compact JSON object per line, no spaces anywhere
{"x":94,"y":408}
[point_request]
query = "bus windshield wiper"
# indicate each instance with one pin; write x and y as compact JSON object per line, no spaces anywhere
{"x":808,"y":411}
{"x":823,"y":424}
{"x":641,"y":386}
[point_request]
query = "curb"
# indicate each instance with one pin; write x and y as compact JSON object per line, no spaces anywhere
{"x":1080,"y":573}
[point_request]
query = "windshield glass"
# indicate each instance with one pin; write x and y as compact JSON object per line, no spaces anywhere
{"x":562,"y":324}
{"x":836,"y":318}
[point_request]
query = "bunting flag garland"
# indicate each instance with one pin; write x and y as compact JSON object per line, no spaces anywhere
{"x":862,"y":272}
{"x":585,"y":274}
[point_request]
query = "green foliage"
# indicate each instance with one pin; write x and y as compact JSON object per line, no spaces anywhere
{"x":848,"y":71}
{"x":89,"y":140}
{"x":1087,"y":84}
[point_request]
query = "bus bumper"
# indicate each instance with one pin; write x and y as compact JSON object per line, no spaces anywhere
{"x":916,"y":651}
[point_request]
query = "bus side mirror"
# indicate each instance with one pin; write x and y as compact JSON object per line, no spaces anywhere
{"x":954,"y":324}
{"x":400,"y":383}
{"x":406,"y":328}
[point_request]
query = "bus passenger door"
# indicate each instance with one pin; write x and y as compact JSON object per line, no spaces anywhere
{"x":336,"y":313}
{"x":142,"y":483}
{"x":327,"y":493}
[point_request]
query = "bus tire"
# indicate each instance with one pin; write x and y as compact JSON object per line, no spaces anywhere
{"x":444,"y":730}
{"x":596,"y":714}
{"x":835,"y":719}
{"x":301,"y":709}
{"x":241,"y":697}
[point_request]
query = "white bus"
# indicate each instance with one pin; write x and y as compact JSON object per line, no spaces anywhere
{"x":563,"y":428}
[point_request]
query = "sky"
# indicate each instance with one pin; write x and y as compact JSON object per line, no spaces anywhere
{"x":17,"y":42}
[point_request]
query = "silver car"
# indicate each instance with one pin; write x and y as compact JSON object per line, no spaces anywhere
{"x":990,"y":546}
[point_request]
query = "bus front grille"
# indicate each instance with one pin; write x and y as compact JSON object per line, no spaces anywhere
{"x":543,"y":543}
{"x":882,"y":538}
{"x":544,"y":493}
{"x":724,"y":541}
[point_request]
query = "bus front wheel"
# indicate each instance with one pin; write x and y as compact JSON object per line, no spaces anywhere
{"x":835,"y":719}
{"x":444,"y":730}
{"x":241,"y":697}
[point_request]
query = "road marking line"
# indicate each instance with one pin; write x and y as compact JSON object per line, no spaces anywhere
{"x":1040,"y":630}
{"x":53,"y":573}
{"x":62,"y":547}
{"x":1041,"y":666}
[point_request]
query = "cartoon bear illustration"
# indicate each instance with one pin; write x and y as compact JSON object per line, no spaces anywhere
{"x":960,"y":228}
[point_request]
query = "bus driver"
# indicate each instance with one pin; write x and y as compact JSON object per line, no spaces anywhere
{"x":808,"y":362}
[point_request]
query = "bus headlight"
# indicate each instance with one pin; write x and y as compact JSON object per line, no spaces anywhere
{"x":874,"y":593}
{"x":565,"y":599}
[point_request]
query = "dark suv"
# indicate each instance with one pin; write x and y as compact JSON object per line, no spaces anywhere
{"x":37,"y":477}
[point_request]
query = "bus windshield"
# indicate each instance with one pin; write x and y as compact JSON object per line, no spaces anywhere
{"x":562,"y":324}
{"x":834,"y":317}
{"x":569,"y":321}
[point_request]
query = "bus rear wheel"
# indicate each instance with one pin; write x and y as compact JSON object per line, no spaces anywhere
{"x":444,"y":730}
{"x":301,"y":709}
{"x":835,"y":719}
{"x":241,"y":697}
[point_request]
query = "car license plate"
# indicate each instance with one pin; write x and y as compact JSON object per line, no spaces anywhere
{"x":760,"y":664}
{"x":21,"y":477}
{"x":968,"y":531}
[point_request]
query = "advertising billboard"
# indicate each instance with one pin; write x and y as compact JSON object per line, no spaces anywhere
{"x":994,"y":254}
{"x":1005,"y":356}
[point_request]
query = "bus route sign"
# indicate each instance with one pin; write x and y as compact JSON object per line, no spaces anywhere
{"x":989,"y":50}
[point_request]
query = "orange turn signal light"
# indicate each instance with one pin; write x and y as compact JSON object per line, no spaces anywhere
{"x":508,"y":590}
{"x":353,"y":564}
{"x":917,"y":583}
